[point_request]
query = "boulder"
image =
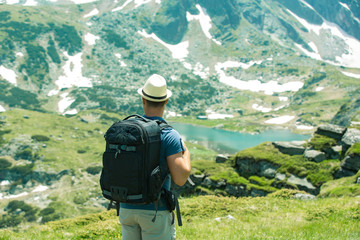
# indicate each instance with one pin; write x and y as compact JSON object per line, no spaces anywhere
{"x":304,"y":196}
{"x":358,"y":180}
{"x":221,"y":158}
{"x":280,"y":176}
{"x":303,"y":184}
{"x":343,"y":172}
{"x":314,"y":155}
{"x":207,"y":183}
{"x":258,"y":193}
{"x":351,"y":136}
{"x":290,"y":148}
{"x":351,"y":162}
{"x":330,"y":130}
{"x":333,"y":152}
{"x":249,"y":167}
{"x":220,"y":184}
{"x":197,"y":178}
{"x":269,"y":172}
{"x":237,"y":191}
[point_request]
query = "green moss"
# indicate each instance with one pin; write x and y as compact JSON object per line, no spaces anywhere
{"x":230,"y":176}
{"x":320,"y":142}
{"x":261,"y":181}
{"x":285,"y":193}
{"x":354,"y":149}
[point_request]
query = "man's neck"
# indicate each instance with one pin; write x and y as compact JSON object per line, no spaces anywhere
{"x":154,"y":112}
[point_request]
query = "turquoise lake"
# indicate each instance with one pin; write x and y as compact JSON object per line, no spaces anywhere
{"x":223,"y":141}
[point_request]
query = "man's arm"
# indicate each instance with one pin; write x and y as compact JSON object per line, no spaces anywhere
{"x":179,"y":166}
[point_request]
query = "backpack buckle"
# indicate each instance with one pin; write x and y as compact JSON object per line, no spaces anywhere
{"x":119,"y":193}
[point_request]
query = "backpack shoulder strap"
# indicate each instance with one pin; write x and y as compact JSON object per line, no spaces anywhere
{"x":163,"y":124}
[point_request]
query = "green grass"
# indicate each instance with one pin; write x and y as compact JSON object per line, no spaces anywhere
{"x":65,"y":136}
{"x":341,"y":187}
{"x":355,"y":149}
{"x":254,"y":218}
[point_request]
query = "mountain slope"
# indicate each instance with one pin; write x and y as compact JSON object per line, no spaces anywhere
{"x":252,"y":57}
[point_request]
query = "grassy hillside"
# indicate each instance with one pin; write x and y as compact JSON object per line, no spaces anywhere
{"x":208,"y":217}
{"x":36,"y":146}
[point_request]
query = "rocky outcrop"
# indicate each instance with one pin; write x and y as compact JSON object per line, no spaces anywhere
{"x":351,"y":136}
{"x":314,"y":155}
{"x":250,"y":167}
{"x":221,"y":158}
{"x":332,"y":131}
{"x":290,"y":148}
{"x":351,"y":163}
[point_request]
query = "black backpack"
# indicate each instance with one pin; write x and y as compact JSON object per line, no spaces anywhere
{"x":131,"y":170}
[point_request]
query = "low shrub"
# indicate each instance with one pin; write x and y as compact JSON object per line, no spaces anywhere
{"x":10,"y":221}
{"x":47,"y":211}
{"x":40,"y":138}
{"x":94,"y":170}
{"x":24,"y":154}
{"x":4,"y":163}
{"x":23,"y":169}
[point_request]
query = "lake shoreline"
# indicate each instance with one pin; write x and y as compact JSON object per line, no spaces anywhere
{"x":230,"y":142}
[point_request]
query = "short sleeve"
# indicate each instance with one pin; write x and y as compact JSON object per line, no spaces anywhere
{"x":172,"y":142}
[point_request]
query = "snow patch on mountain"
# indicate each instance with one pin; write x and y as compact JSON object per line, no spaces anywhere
{"x":122,"y":63}
{"x":65,"y":102}
{"x":280,"y":120}
{"x":11,"y":2}
{"x":349,"y":59}
{"x":94,"y":12}
{"x":263,"y":109}
{"x":2,"y":109}
{"x":253,"y":85}
{"x":308,"y":5}
{"x":83,"y":1}
{"x":178,"y":51}
{"x":8,"y":74}
{"x":319,"y":89}
{"x":205,"y":22}
{"x":30,"y":3}
{"x":72,"y":74}
{"x":213,"y":115}
{"x":137,"y":3}
{"x":91,"y":38}
{"x":353,"y":75}
{"x":313,"y":55}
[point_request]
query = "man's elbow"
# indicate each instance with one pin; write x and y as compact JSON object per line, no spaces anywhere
{"x":181,"y":180}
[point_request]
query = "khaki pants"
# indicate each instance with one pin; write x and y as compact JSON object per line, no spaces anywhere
{"x":137,"y":225}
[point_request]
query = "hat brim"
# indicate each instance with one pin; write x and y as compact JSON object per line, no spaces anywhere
{"x":168,"y":95}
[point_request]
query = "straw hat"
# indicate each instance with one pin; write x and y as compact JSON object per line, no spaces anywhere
{"x":155,"y":89}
